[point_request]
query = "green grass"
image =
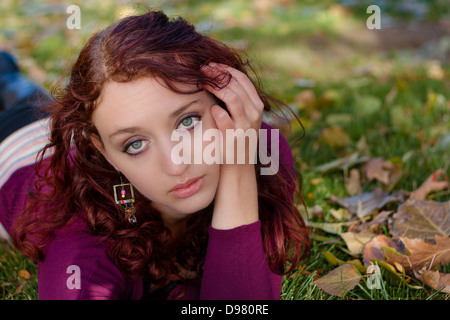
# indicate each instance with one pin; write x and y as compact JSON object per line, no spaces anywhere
{"x":14,"y":282}
{"x":400,"y":110}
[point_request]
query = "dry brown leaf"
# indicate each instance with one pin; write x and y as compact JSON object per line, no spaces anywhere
{"x":365,"y":203}
{"x":430,"y":185}
{"x":375,"y":225}
{"x":353,"y":182}
{"x":20,"y":288}
{"x":373,"y":249}
{"x":434,"y":279}
{"x":422,"y":254}
{"x":340,"y":280}
{"x":375,"y":169}
{"x":421,"y":219}
{"x":306,"y":98}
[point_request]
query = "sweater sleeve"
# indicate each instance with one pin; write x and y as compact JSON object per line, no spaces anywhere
{"x":235,"y":265}
{"x":236,"y":268}
{"x":77,"y":267}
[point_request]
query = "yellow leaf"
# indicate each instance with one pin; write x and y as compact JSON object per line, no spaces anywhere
{"x":335,"y":137}
{"x":24,"y":274}
{"x":355,"y":241}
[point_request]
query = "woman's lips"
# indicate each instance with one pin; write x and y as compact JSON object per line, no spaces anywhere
{"x":189,"y":188}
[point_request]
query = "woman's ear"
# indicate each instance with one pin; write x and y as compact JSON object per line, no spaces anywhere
{"x":98,"y":144}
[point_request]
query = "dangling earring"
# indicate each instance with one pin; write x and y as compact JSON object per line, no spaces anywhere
{"x":125,"y":200}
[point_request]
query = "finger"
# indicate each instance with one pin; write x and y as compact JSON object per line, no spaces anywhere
{"x":250,"y":106}
{"x":255,"y":106}
{"x":233,"y":103}
{"x":243,"y":80}
{"x":236,"y":96}
{"x":222,"y":119}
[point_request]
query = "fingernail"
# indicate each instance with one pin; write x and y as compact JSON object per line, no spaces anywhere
{"x":212,"y":64}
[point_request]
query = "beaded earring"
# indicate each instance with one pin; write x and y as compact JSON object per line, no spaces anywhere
{"x":125,"y":200}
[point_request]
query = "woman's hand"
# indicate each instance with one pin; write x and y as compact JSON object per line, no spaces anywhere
{"x":236,"y":201}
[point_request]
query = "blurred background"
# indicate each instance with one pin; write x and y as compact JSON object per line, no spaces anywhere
{"x":379,"y":92}
{"x":360,"y":93}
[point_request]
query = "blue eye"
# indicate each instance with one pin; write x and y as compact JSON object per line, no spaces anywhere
{"x":189,"y":122}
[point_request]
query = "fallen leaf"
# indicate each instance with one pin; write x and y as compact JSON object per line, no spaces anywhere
{"x":316,"y":181}
{"x":340,"y":214}
{"x":421,"y":219}
{"x":334,"y":228}
{"x":376,"y":169}
{"x":24,"y":274}
{"x":373,"y":249}
{"x":316,"y":212}
{"x":375,"y":225}
{"x":355,"y":241}
{"x":435,"y":70}
{"x":421,"y":254}
{"x":305,"y":99}
{"x":341,"y":163}
{"x":339,"y":281}
{"x":399,"y":267}
{"x":395,"y":173}
{"x":19,"y":288}
{"x":365,"y":203}
{"x":353,"y":182}
{"x":434,"y":279}
{"x":335,"y":137}
{"x":391,"y":275}
{"x":432,"y":184}
{"x":331,"y":258}
{"x":362,"y":146}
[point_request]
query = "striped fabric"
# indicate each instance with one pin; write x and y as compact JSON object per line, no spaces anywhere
{"x":21,"y":148}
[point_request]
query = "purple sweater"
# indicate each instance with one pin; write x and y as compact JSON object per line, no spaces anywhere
{"x":77,"y":266}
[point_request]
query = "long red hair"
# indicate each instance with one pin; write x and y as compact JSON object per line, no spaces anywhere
{"x":78,"y":180}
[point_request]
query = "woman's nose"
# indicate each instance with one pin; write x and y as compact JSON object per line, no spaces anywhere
{"x":176,"y":156}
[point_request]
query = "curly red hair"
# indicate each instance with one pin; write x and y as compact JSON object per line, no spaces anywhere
{"x":78,"y":180}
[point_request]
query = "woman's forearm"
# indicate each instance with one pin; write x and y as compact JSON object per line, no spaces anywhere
{"x":236,"y":201}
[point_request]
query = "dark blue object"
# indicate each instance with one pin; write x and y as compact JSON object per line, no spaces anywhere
{"x":19,"y":97}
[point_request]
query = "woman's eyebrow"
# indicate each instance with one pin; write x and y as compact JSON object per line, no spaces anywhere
{"x":183,"y":107}
{"x":123,"y":131}
{"x":136,"y":129}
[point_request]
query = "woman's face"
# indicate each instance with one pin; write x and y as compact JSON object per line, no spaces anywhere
{"x":135,"y":121}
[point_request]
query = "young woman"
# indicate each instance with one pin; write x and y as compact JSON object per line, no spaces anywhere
{"x":106,"y":211}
